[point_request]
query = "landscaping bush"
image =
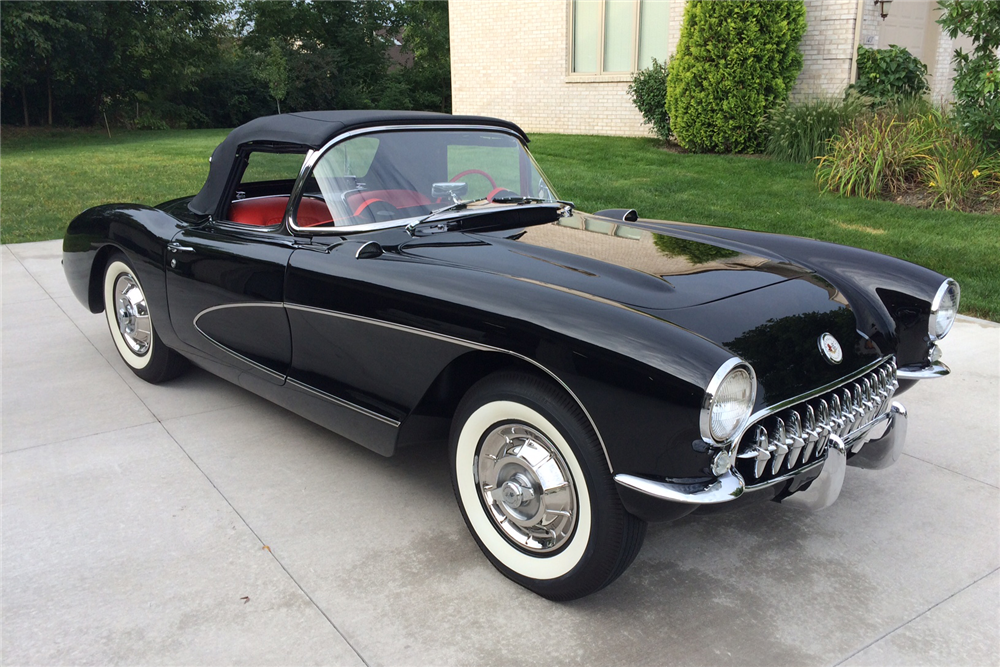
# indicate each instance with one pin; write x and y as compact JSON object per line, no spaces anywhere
{"x":876,"y":155}
{"x":801,"y":131}
{"x":889,"y":75}
{"x":734,"y":62}
{"x":648,"y":91}
{"x":898,"y":149}
{"x":977,"y":75}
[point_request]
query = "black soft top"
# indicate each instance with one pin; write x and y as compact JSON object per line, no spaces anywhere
{"x":313,"y":129}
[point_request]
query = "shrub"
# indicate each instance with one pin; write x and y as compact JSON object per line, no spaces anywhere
{"x":876,"y":155}
{"x":959,"y":171}
{"x":977,"y":75}
{"x":648,"y":91}
{"x":800,"y":132}
{"x":734,"y":62}
{"x":889,"y":75}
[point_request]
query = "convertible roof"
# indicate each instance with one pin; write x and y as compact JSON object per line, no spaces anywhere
{"x":313,"y":129}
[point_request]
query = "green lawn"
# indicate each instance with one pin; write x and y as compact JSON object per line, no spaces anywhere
{"x":48,"y":177}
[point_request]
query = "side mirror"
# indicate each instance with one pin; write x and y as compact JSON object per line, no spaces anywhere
{"x":623,"y":214}
{"x":454,"y":191}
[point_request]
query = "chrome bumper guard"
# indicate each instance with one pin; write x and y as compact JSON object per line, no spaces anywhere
{"x":876,"y":454}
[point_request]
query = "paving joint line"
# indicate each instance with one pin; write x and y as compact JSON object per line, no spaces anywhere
{"x":941,"y":467}
{"x":264,"y":544}
{"x":924,"y":612}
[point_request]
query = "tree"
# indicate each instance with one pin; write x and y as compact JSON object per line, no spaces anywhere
{"x":977,"y":75}
{"x":274,"y":72}
{"x":734,"y":62}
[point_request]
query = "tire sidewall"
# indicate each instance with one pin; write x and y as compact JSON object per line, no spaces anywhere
{"x":473,"y":428}
{"x":591,"y":560}
{"x":116,"y":268}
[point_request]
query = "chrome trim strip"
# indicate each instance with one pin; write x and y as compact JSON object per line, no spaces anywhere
{"x":728,"y":486}
{"x":929,"y":372}
{"x":345,"y":404}
{"x":469,"y":344}
{"x":312,"y":157}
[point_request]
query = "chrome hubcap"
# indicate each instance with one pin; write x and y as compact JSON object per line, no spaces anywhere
{"x":526,"y":487}
{"x":132,"y":314}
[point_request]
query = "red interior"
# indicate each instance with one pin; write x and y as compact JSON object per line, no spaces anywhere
{"x":266,"y":211}
{"x":398,"y":198}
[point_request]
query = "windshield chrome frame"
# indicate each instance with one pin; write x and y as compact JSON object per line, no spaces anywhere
{"x":313,"y":156}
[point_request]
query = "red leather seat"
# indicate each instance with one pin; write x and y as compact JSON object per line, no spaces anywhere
{"x":266,"y":211}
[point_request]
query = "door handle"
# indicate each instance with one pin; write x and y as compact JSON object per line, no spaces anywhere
{"x":177,"y":247}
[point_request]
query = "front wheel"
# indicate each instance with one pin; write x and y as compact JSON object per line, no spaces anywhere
{"x":535,"y":490}
{"x":131,"y":326}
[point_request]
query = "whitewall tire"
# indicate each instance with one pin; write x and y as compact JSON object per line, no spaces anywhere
{"x":130,"y":322}
{"x":534,"y":488}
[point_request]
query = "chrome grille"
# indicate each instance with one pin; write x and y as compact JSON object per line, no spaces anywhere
{"x":796,"y":436}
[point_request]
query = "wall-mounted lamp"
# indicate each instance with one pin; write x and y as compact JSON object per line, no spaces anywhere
{"x":883,"y":7}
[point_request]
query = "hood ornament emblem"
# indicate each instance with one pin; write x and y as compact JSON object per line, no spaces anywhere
{"x":830,"y":347}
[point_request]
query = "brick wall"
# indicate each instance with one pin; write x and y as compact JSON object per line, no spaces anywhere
{"x":510,"y":58}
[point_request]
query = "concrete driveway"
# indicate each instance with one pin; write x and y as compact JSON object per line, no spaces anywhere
{"x":193,"y":523}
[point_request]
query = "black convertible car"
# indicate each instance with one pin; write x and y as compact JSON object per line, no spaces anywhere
{"x":404,"y":278}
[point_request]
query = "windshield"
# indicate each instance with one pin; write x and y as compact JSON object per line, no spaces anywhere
{"x":398,"y":175}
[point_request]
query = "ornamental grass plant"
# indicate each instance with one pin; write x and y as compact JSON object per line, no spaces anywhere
{"x":877,"y":155}
{"x":801,"y":132}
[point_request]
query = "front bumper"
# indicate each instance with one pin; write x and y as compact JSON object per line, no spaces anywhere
{"x":656,"y":500}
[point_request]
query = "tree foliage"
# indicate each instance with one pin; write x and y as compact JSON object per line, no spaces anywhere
{"x":216,"y":63}
{"x":734,"y":62}
{"x":977,"y":74}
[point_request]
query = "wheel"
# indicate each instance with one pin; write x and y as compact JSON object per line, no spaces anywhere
{"x":131,"y":327}
{"x":534,"y":488}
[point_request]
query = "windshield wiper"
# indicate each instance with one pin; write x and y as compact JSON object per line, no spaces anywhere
{"x":518,"y":199}
{"x":457,"y":206}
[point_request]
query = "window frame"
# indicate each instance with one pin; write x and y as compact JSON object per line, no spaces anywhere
{"x":601,"y":75}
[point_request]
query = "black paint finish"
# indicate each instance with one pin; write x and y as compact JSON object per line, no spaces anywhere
{"x":631,"y":319}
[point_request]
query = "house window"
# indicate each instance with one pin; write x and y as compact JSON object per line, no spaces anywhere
{"x":618,"y":36}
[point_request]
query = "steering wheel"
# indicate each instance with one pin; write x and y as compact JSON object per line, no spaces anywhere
{"x":379,"y":209}
{"x":493,"y":184}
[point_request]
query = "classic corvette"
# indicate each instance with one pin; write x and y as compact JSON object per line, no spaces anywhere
{"x":406,"y":278}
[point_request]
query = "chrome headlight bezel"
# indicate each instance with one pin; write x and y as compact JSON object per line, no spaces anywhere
{"x":730,"y":368}
{"x":949,"y":289}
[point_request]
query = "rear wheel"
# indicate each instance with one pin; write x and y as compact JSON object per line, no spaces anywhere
{"x":131,"y":326}
{"x":534,"y":488}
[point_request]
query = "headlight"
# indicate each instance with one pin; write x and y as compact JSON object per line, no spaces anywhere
{"x":944,"y":308}
{"x":728,"y":401}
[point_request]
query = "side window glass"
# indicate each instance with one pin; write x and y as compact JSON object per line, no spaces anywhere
{"x":261,"y":197}
{"x":269,"y":167}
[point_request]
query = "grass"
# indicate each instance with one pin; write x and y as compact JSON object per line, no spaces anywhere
{"x":46,"y":178}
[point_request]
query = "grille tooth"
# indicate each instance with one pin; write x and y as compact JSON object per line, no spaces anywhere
{"x":810,"y":432}
{"x":805,"y":428}
{"x":795,"y":441}
{"x":763,"y":451}
{"x":779,"y":446}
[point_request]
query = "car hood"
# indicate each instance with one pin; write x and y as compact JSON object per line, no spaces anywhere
{"x":781,"y":308}
{"x":615,"y":262}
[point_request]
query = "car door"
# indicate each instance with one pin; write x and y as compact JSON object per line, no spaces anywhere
{"x":225,"y":287}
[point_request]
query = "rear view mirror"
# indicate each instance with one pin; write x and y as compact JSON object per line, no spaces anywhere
{"x":453,"y":191}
